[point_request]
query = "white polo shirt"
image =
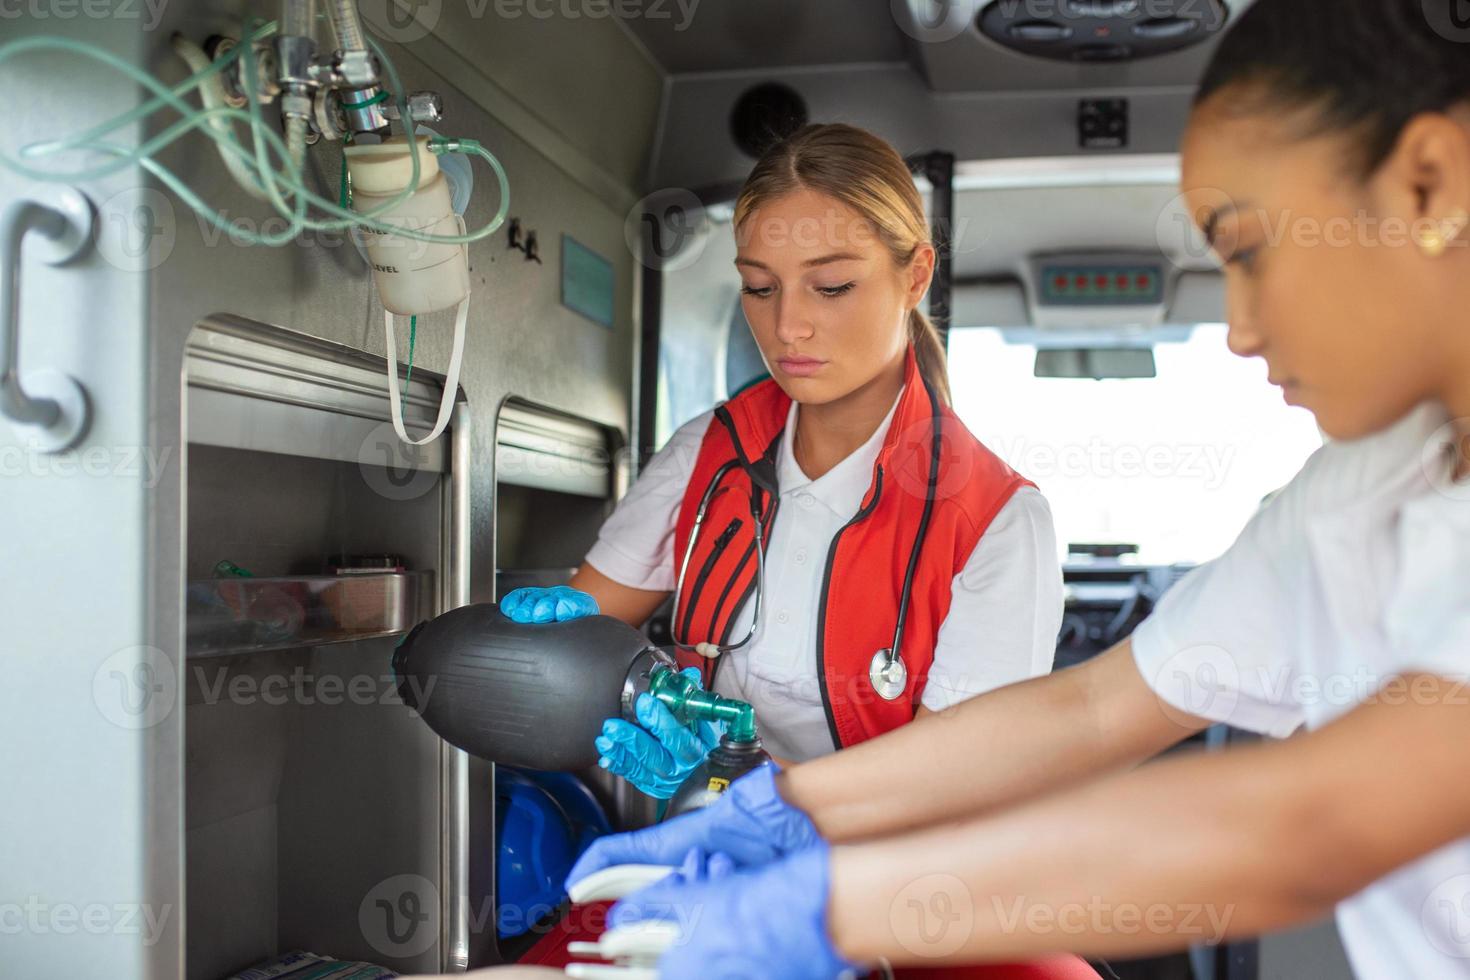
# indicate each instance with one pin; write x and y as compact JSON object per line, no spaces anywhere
{"x":1005,"y":605}
{"x":1357,"y":572}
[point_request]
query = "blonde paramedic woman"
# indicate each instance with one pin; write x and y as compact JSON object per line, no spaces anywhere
{"x":845,"y":554}
{"x":1342,"y":612}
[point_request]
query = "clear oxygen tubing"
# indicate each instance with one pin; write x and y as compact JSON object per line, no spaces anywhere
{"x":255,"y":165}
{"x":345,"y":25}
{"x":298,"y":18}
{"x":142,"y":155}
{"x":212,"y":95}
{"x":266,"y":177}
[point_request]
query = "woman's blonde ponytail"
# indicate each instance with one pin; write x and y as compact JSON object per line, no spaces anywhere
{"x":930,"y":353}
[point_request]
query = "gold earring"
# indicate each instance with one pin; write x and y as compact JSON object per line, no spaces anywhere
{"x":1433,"y":242}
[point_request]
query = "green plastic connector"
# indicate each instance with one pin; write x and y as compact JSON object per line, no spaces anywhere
{"x":688,"y":703}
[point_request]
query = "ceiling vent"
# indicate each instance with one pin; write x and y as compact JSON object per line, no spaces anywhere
{"x":1100,"y":30}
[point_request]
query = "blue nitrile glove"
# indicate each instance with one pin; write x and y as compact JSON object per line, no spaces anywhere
{"x":658,"y":756}
{"x":749,"y":822}
{"x":554,"y":605}
{"x":766,"y":923}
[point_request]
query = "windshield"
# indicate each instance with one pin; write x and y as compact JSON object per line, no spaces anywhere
{"x":1174,"y":464}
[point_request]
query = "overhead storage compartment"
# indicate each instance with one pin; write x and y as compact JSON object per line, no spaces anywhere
{"x":279,"y":391}
{"x":547,"y":450}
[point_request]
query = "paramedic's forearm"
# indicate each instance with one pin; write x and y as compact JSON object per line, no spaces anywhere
{"x":1188,"y":850}
{"x":998,"y":749}
{"x":632,"y":606}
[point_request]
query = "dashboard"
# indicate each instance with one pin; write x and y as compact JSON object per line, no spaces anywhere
{"x":1107,"y":596}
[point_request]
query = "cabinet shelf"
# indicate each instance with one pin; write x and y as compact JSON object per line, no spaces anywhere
{"x":229,"y":616}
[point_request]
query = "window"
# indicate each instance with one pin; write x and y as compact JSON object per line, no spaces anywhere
{"x":1174,"y":464}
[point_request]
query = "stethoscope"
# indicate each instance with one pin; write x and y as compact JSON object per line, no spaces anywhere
{"x":712,"y":650}
{"x":887,"y":671}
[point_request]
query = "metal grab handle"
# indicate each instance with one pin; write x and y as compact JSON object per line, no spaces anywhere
{"x":54,"y":411}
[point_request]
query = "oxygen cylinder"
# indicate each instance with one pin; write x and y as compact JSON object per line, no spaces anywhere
{"x":725,"y":763}
{"x":533,"y":695}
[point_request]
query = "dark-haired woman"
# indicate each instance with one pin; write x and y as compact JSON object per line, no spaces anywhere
{"x":845,"y":555}
{"x":1328,"y":160}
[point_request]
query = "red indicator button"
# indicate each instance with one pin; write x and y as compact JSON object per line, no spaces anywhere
{"x":1143,"y":282}
{"x":1081,"y":282}
{"x":1122,"y":282}
{"x":1101,"y":282}
{"x":1060,"y":282}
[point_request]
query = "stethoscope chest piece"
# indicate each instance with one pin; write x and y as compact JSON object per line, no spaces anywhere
{"x":888,"y":675}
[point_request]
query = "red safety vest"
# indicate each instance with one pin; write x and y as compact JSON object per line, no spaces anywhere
{"x":930,"y":472}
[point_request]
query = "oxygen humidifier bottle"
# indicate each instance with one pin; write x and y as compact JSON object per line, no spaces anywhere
{"x":413,"y":277}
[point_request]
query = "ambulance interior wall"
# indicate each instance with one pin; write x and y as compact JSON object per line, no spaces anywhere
{"x":292,"y":809}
